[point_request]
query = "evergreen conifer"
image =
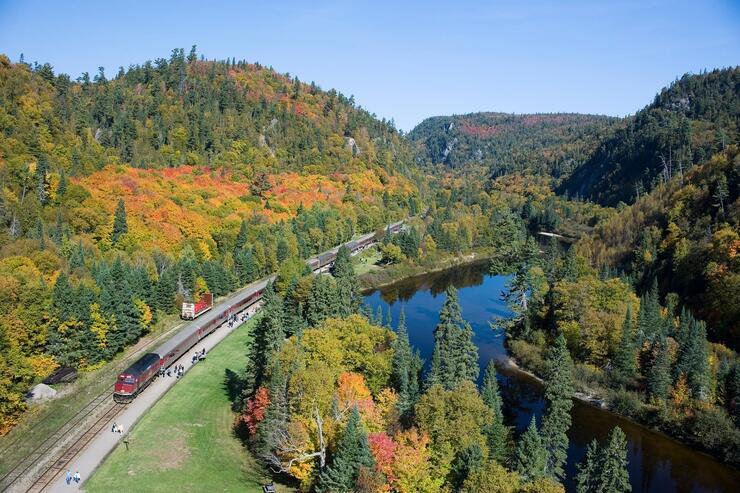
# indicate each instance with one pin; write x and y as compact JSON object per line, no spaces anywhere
{"x":530,"y":459}
{"x":352,"y":453}
{"x":455,"y":357}
{"x":559,"y":397}
{"x":496,"y":431}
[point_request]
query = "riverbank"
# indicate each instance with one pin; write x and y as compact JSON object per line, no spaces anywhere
{"x":391,"y":274}
{"x":693,"y":426}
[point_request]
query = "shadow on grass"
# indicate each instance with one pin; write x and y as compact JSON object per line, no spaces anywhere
{"x":233,"y":386}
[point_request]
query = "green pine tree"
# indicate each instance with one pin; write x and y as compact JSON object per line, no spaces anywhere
{"x":276,"y":414}
{"x":570,"y":270}
{"x":352,"y":453}
{"x":625,"y":357}
{"x":530,"y":459}
{"x":402,"y":365}
{"x":659,"y":373}
{"x":269,"y":335}
{"x":559,"y":397}
{"x":348,"y":288}
{"x":468,"y":460}
{"x":323,"y":300}
{"x":117,"y":300}
{"x":42,"y":179}
{"x":455,"y":357}
{"x":693,"y":355}
{"x":378,"y":320}
{"x":120,"y":226}
{"x":496,"y":432}
{"x":244,"y":264}
{"x":589,"y":469}
{"x":613,"y":475}
{"x":62,"y":187}
{"x":295,"y":321}
{"x":241,"y":237}
{"x":415,"y":379}
{"x":649,"y":320}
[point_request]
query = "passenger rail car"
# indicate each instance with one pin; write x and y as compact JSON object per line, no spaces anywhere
{"x":140,"y":374}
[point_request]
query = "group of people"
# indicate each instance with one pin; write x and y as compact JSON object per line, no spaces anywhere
{"x":177,"y":370}
{"x":76,"y":477}
{"x":116,"y":428}
{"x":198,"y":356}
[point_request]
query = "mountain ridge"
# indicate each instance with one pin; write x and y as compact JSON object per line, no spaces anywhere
{"x":546,"y":143}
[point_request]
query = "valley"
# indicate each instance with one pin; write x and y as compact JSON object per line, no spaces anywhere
{"x":599,"y":253}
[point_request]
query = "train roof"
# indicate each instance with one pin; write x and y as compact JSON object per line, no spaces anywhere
{"x":141,"y":364}
{"x":210,"y":315}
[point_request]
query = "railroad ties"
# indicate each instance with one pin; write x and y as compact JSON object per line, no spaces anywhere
{"x":62,"y":435}
{"x":63,"y":459}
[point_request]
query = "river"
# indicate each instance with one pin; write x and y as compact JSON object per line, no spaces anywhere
{"x":657,"y":463}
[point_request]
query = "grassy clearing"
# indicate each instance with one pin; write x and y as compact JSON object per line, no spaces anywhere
{"x":43,"y":420}
{"x":367,"y":261}
{"x":185,"y":442}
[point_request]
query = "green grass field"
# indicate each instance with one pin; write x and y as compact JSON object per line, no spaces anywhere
{"x":367,"y":261}
{"x":185,"y":442}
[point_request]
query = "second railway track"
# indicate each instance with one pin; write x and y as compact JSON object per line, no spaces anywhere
{"x":62,"y":460}
{"x":63,"y":435}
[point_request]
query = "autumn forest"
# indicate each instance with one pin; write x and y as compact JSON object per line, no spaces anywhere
{"x":124,"y":194}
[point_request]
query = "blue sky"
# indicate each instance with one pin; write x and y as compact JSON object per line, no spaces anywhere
{"x":406,"y":60}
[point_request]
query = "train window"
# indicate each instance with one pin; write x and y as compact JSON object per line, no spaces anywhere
{"x":126,"y":379}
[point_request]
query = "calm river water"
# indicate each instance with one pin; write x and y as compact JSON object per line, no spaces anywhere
{"x":656,"y":462}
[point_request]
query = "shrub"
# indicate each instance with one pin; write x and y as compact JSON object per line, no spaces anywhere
{"x":588,"y":377}
{"x":713,"y":429}
{"x":626,"y":403}
{"x":528,"y":355}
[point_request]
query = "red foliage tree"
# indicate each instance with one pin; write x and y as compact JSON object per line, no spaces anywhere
{"x":254,"y":412}
{"x":383,"y":448}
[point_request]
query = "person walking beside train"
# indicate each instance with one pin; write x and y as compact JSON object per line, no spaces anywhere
{"x":77,"y":477}
{"x":68,"y":476}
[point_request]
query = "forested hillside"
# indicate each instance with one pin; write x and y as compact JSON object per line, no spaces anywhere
{"x":685,"y":234}
{"x":120,"y":197}
{"x":693,"y":118}
{"x":546,"y":144}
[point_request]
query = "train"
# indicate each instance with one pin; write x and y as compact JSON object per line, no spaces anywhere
{"x":195,"y":310}
{"x":145,"y":370}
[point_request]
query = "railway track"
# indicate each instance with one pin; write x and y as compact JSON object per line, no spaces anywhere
{"x":102,"y":402}
{"x":69,"y":428}
{"x":39,"y":468}
{"x":62,"y":460}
